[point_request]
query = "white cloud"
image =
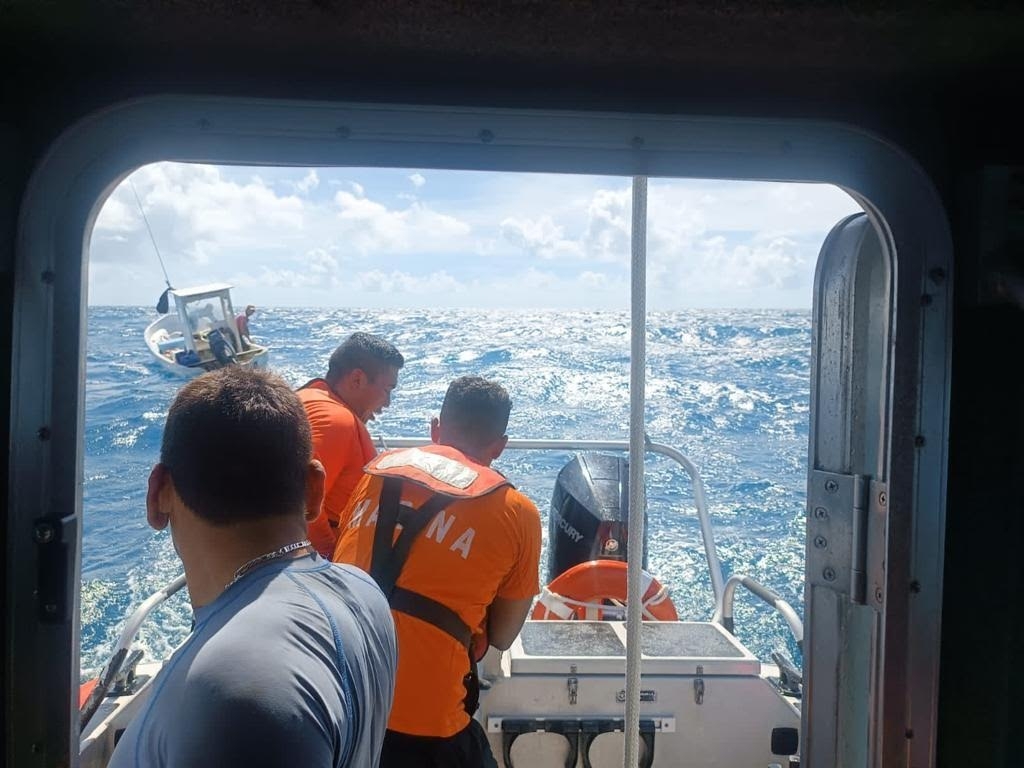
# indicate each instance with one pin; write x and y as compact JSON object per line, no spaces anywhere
{"x":318,"y":269}
{"x":372,"y":228}
{"x":321,"y":262}
{"x":309,"y":182}
{"x":282,"y":278}
{"x":775,"y":263}
{"x":721,"y":271}
{"x":603,"y":238}
{"x":757,"y":207}
{"x":605,"y":234}
{"x":536,"y":279}
{"x":540,"y":237}
{"x":608,"y":225}
{"x":474,"y":240}
{"x":433,"y":285}
{"x":705,"y":240}
{"x":187,"y":204}
{"x":594,"y":279}
{"x":208,"y":222}
{"x":542,"y":289}
{"x":116,"y":216}
{"x":203,"y":251}
{"x":485,"y":246}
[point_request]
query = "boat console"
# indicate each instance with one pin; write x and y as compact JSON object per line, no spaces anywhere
{"x":555,"y":698}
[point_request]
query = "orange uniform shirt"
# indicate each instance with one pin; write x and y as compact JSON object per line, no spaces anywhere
{"x":473,"y":551}
{"x":343,"y":445}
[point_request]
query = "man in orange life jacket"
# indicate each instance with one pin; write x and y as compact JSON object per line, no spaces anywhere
{"x":462,"y":572}
{"x":361,"y":375}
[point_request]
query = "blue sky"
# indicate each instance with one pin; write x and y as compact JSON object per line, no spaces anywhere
{"x":395,"y":238}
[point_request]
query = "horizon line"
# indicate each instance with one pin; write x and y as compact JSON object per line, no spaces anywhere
{"x":480,"y":309}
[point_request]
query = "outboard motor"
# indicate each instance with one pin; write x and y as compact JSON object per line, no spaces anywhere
{"x":222,"y":349}
{"x":589,"y":512}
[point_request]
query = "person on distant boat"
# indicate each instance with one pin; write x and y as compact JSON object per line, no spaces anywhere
{"x":461,"y":575}
{"x":361,"y":374}
{"x":292,"y":659}
{"x":242,"y":323}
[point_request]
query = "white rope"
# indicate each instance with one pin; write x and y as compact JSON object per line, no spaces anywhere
{"x":637,"y":499}
{"x":561,"y":607}
{"x":555,"y":604}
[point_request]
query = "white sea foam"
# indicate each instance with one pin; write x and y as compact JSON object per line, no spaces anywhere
{"x":730,"y":389}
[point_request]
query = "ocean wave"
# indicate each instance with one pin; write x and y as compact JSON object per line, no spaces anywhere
{"x":728,"y":388}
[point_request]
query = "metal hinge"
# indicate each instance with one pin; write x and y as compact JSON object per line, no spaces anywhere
{"x":56,"y":579}
{"x":846,"y":527}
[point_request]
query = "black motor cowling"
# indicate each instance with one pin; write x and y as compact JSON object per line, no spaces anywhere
{"x":589,"y":512}
{"x":221,"y":347}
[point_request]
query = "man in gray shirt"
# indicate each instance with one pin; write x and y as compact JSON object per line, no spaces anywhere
{"x":292,"y":658}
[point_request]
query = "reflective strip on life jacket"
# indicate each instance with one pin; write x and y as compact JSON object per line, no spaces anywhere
{"x":438,"y":468}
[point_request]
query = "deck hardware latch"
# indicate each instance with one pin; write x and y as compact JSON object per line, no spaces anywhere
{"x":790,"y":680}
{"x":125,"y":681}
{"x":572,"y":684}
{"x":698,"y":686}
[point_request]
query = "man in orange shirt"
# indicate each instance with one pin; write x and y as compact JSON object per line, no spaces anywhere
{"x":361,"y":375}
{"x":460,"y":575}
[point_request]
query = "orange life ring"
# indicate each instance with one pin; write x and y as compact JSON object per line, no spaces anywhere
{"x":580,"y":592}
{"x":85,"y":689}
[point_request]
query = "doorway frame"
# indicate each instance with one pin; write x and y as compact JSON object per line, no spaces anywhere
{"x":85,"y":163}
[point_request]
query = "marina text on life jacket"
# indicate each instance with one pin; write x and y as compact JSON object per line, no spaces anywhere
{"x":440,"y":469}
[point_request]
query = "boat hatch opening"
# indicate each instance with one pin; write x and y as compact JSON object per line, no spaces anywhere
{"x":870,"y":649}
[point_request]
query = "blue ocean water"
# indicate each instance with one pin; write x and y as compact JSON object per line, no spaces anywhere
{"x":730,"y":389}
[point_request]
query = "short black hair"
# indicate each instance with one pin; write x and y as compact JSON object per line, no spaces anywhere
{"x":237,"y":445}
{"x":476,"y":410}
{"x":366,"y":352}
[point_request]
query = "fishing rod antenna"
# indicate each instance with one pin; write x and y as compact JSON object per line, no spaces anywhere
{"x":150,"y":231}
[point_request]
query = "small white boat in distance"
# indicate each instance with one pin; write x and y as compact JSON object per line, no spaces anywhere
{"x":200,"y":333}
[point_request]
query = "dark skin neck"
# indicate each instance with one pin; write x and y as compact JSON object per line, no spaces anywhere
{"x":481,"y":454}
{"x":212,"y":554}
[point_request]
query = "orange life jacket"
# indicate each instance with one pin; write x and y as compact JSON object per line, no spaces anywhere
{"x":438,"y":468}
{"x":451,"y":476}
